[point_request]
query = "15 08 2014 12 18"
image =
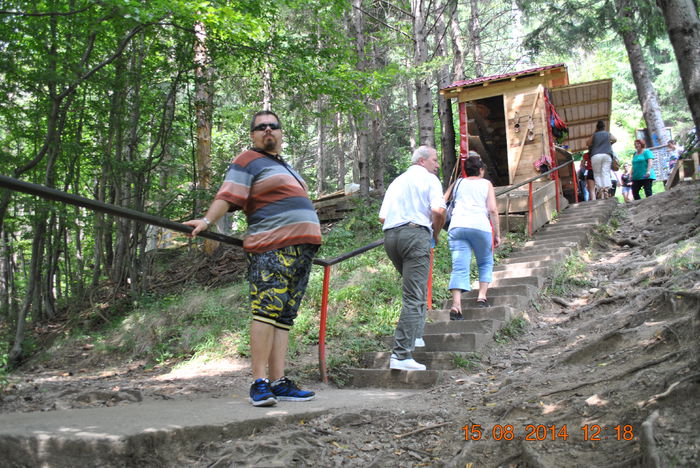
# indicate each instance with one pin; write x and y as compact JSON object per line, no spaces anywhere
{"x":540,"y":432}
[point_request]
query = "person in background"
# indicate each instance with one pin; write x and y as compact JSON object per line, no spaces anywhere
{"x":590,"y":181}
{"x":474,"y":229}
{"x":600,"y":149}
{"x":582,"y":181}
{"x":283,"y":236}
{"x":642,"y":170}
{"x":674,"y":154}
{"x":412,"y":213}
{"x":615,"y":180}
{"x":626,"y":181}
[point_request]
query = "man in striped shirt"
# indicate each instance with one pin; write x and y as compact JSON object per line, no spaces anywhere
{"x":283,"y":235}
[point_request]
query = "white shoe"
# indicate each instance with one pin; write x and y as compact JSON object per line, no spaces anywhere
{"x":404,"y":364}
{"x":420,"y":343}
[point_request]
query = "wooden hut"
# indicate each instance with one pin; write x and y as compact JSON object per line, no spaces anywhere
{"x":507,"y":120}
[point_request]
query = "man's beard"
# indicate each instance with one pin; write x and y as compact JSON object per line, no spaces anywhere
{"x":269,"y":144}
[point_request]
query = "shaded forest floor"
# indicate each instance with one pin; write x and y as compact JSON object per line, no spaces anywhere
{"x":607,"y":373}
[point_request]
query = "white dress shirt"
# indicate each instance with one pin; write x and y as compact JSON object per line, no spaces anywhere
{"x":410,"y":198}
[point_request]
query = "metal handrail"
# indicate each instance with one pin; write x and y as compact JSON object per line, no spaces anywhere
{"x":533,"y":179}
{"x":95,"y":205}
{"x":529,"y":182}
{"x":326,"y":264}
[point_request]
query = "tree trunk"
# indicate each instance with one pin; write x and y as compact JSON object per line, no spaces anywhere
{"x":683,"y":26}
{"x":424,"y":97}
{"x":361,"y":120}
{"x":203,"y":104}
{"x":457,"y":48}
{"x":445,"y":77}
{"x":376,"y":140}
{"x":341,"y":151}
{"x":411,"y":110}
{"x":6,"y":277}
{"x":475,"y":38}
{"x":320,"y":150}
{"x":267,"y":86}
{"x":642,"y":80}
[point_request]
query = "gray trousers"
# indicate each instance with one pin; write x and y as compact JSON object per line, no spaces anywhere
{"x":408,"y":247}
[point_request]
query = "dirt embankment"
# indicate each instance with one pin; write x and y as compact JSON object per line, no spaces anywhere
{"x":607,"y":374}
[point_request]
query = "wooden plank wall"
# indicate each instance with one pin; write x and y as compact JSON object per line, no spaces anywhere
{"x":522,"y":101}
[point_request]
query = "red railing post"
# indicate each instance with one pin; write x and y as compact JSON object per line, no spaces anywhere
{"x":322,"y":327}
{"x":575,"y":179}
{"x":557,"y":184}
{"x":429,"y":300}
{"x":529,"y":209}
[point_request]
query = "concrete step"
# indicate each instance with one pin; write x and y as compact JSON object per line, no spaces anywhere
{"x":584,"y":234}
{"x":387,"y":378}
{"x":524,"y":264}
{"x":535,"y":281}
{"x":526,"y":252}
{"x":518,"y":289}
{"x":561,"y":242}
{"x":610,"y":203}
{"x":147,"y":433}
{"x":463,"y":326}
{"x":516,"y":300}
{"x":502,"y":313}
{"x":440,"y":360}
{"x":593,"y":210}
{"x":464,"y":342}
{"x":563,"y":229}
{"x":542,"y":272}
{"x":533,"y":258}
{"x":576,"y":220}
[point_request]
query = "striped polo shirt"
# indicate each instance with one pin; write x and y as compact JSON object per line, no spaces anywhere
{"x":274,"y":199}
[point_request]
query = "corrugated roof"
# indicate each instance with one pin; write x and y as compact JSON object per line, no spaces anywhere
{"x":505,"y":76}
{"x":581,"y":106}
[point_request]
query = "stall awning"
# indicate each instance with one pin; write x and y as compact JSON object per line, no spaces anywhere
{"x":581,"y":105}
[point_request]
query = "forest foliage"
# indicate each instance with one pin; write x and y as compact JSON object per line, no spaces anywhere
{"x":142,"y":105}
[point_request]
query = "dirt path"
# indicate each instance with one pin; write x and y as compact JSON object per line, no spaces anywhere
{"x":608,"y":375}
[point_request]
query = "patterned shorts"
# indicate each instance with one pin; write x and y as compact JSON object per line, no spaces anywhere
{"x":278,"y":280}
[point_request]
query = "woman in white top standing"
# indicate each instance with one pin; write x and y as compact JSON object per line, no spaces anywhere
{"x":600,"y":150}
{"x":473,"y":229}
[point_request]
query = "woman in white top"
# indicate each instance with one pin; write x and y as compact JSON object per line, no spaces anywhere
{"x":474,"y":228}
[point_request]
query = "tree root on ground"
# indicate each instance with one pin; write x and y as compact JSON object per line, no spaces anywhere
{"x":690,"y":231}
{"x":562,"y":302}
{"x":669,"y":390}
{"x":613,"y":377}
{"x":606,"y":300}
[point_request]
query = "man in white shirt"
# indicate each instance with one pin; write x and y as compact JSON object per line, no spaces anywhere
{"x":413,"y":212}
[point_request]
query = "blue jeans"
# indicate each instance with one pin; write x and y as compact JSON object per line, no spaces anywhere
{"x":464,"y":241}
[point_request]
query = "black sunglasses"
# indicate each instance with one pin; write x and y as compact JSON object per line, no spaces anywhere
{"x":264,"y":126}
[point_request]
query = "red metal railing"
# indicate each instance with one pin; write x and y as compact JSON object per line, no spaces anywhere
{"x":529,"y":182}
{"x":326,"y":264}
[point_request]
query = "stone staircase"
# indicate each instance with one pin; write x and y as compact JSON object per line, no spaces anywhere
{"x":516,"y":283}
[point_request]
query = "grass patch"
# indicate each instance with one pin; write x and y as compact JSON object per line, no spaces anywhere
{"x":570,"y":274}
{"x":510,"y":330}
{"x":469,"y":361}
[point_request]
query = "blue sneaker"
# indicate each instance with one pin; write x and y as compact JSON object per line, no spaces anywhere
{"x":286,"y":390}
{"x":261,"y":394}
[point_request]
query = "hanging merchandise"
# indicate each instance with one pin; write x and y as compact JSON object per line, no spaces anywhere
{"x":559,"y":129}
